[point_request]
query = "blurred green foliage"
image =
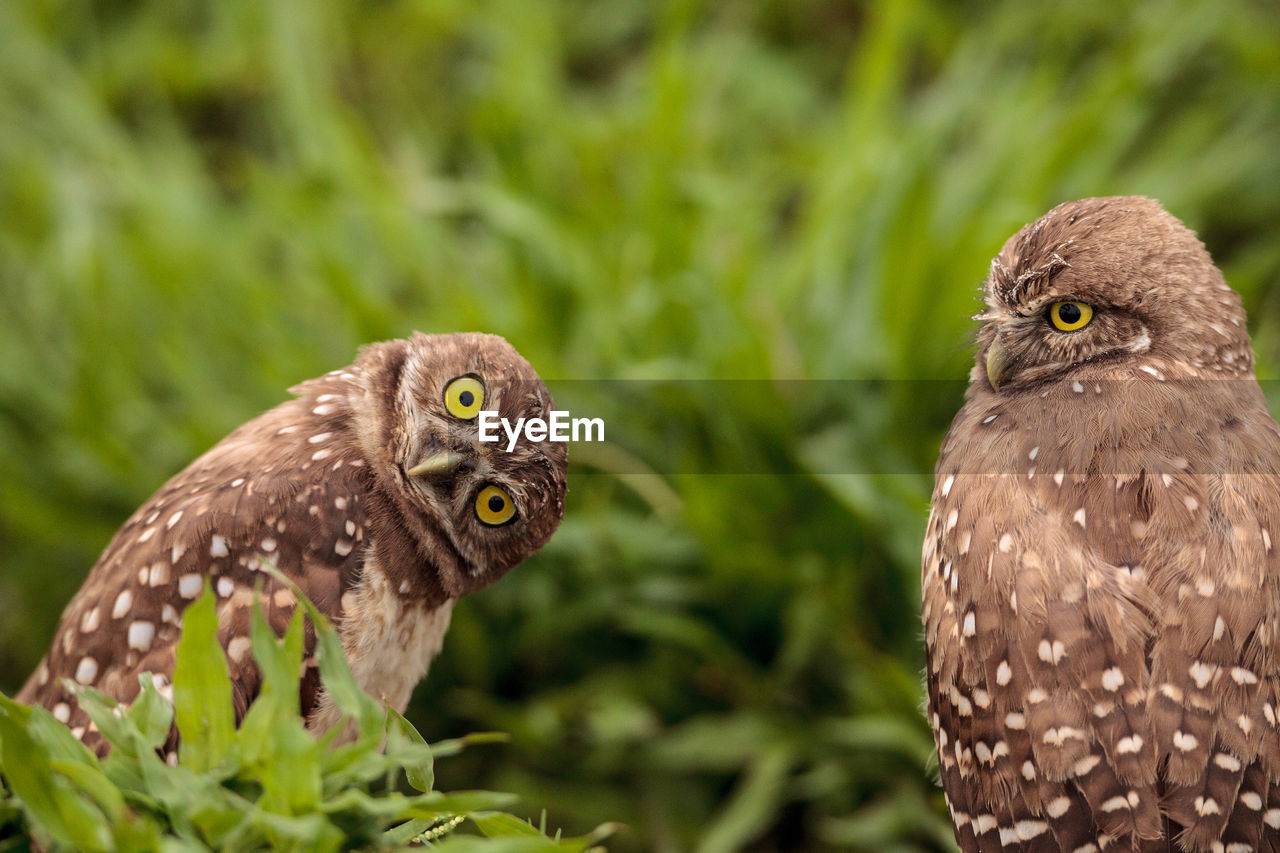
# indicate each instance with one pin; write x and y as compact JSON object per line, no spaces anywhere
{"x":201,"y":204}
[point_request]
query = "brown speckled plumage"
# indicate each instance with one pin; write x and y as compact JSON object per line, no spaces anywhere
{"x":319,"y":487}
{"x":1100,"y":587}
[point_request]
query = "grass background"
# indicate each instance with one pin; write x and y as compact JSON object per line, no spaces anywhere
{"x":201,"y":204}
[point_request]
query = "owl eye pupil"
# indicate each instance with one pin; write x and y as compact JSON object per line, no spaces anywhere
{"x":466,"y":398}
{"x":496,"y":503}
{"x":1069,"y":313}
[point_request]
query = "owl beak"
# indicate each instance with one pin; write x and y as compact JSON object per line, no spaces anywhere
{"x":437,"y":463}
{"x":1001,"y":366}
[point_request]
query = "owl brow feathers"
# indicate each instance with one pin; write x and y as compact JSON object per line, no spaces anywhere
{"x":1021,"y":287}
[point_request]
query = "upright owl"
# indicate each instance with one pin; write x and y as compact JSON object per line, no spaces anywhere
{"x":370,"y":490}
{"x":1101,"y":590}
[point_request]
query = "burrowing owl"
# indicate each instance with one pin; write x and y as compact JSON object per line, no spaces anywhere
{"x":1101,"y":590}
{"x":370,"y":490}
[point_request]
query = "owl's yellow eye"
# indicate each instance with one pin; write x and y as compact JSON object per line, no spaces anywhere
{"x":1070,"y":316}
{"x":494,"y":506}
{"x":464,"y":396}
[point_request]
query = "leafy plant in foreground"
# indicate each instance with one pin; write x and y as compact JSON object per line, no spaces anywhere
{"x":267,"y":785}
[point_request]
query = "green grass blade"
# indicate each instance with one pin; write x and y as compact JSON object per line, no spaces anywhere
{"x":202,"y":688}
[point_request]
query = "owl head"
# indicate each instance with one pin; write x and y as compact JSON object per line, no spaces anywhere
{"x":1100,"y":287}
{"x":472,"y":509}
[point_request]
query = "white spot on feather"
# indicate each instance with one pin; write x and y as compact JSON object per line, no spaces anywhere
{"x":1085,"y":765}
{"x":1131,"y":744}
{"x":1051,"y":652}
{"x":1057,"y":808}
{"x":1207,"y":806}
{"x":1062,"y":734}
{"x":189,"y":586}
{"x":1003,"y":673}
{"x":86,"y":670}
{"x":237,"y":647}
{"x":140,"y":635}
{"x":1240,"y":675}
{"x":89,"y":622}
{"x":1115,"y":804}
{"x":123,"y":602}
{"x":1201,"y":673}
{"x":218,"y":547}
{"x":62,"y":712}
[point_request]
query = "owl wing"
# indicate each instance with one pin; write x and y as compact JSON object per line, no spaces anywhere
{"x":1215,"y":676}
{"x":1036,"y":671}
{"x":286,"y":489}
{"x":1100,"y":661}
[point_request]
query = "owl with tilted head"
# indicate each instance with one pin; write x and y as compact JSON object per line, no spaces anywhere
{"x":1101,"y":587}
{"x":370,"y":490}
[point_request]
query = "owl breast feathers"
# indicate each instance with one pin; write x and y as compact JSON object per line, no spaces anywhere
{"x":370,"y":490}
{"x":1100,"y":592}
